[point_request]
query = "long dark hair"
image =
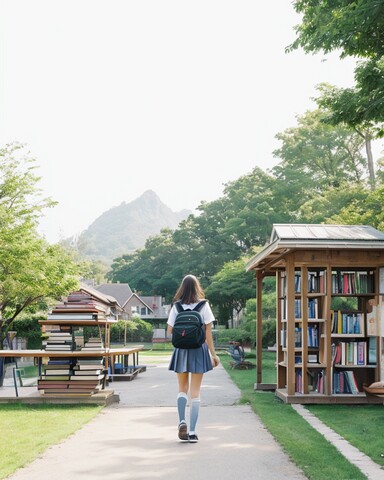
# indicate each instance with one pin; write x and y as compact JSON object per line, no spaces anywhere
{"x":190,"y":290}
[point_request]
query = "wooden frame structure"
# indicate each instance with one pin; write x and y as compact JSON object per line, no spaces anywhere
{"x":299,"y":252}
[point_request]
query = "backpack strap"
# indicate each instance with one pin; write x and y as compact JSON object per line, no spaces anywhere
{"x":179,"y":308}
{"x":199,"y":305}
{"x":196,"y":309}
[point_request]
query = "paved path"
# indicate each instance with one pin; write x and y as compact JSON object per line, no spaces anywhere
{"x":137,"y":438}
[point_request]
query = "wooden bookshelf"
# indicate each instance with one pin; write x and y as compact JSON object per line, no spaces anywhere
{"x":75,"y":364}
{"x":326,"y":350}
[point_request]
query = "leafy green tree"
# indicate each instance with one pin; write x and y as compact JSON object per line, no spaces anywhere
{"x":95,"y":270}
{"x":153,"y":270}
{"x":364,"y":210}
{"x":322,"y":207}
{"x":252,"y":207}
{"x":354,"y":27}
{"x":31,"y":271}
{"x":346,"y":106}
{"x":316,"y":156}
{"x":230,"y":289}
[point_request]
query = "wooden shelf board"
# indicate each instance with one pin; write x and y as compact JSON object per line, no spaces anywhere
{"x":354,"y":366}
{"x":301,"y":398}
{"x":79,"y":323}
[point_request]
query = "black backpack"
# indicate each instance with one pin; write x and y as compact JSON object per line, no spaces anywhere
{"x":189,"y":328}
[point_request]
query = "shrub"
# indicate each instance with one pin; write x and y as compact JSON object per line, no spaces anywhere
{"x":30,"y":329}
{"x":246,"y":334}
{"x":138,"y":330}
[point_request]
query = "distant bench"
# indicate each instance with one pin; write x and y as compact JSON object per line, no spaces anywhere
{"x":120,"y":368}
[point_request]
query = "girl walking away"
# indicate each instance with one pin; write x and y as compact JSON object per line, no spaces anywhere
{"x":190,"y":364}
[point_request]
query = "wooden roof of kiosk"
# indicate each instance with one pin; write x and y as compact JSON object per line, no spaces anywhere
{"x":296,"y":245}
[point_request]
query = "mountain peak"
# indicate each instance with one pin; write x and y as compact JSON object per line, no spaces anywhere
{"x":125,"y":228}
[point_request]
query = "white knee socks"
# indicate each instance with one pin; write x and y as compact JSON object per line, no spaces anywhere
{"x":194,"y":414}
{"x":182,"y":399}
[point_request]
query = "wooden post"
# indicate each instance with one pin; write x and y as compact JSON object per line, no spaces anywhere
{"x":304,"y":328}
{"x":259,"y":335}
{"x":291,"y":378}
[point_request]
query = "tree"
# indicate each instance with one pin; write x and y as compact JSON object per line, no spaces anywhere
{"x":316,"y":156}
{"x":363,"y":210}
{"x":346,"y":106}
{"x":31,"y":271}
{"x":152,"y":270}
{"x":252,"y":207}
{"x":230,"y":288}
{"x":355,"y":28}
{"x":324,"y":206}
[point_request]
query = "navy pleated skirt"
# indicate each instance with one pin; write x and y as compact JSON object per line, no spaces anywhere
{"x":193,"y":360}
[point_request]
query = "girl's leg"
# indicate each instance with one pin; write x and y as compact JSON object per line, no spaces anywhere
{"x":182,"y":399}
{"x":196,"y":379}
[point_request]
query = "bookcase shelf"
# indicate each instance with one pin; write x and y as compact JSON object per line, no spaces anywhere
{"x":331,"y":274}
{"x":80,"y":369}
{"x":318,"y":329}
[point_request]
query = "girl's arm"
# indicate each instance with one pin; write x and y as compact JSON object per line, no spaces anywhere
{"x":209,"y":340}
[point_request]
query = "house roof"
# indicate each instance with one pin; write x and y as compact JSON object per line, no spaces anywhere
{"x":141,"y":300}
{"x":289,"y":237}
{"x":120,"y":291}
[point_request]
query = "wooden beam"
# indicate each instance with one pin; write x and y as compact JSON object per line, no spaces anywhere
{"x":259,"y":335}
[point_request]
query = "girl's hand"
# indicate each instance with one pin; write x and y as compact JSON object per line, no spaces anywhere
{"x":215,"y":360}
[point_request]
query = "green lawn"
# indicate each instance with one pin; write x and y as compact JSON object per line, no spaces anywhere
{"x":305,"y":446}
{"x":49,"y":424}
{"x":26,"y":431}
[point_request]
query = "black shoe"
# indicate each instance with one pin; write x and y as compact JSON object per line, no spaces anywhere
{"x":193,"y":438}
{"x":183,"y":434}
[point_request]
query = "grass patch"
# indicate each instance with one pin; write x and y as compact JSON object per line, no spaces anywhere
{"x":30,"y":371}
{"x":360,"y":425}
{"x":29,"y":430}
{"x":307,"y":448}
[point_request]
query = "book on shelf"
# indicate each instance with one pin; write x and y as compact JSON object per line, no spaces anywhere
{"x":298,"y":359}
{"x":93,"y":343}
{"x":297,"y":308}
{"x":55,"y":377}
{"x":90,"y":360}
{"x":56,"y":366}
{"x":316,"y":282}
{"x":298,"y":381}
{"x":86,"y":367}
{"x":372,"y":351}
{"x":313,"y":308}
{"x":313,"y":336}
{"x":297,"y":282}
{"x":298,"y":331}
{"x":312,"y":358}
{"x":352,"y":282}
{"x":351,"y":353}
{"x":50,"y":371}
{"x":318,"y":382}
{"x":83,"y":373}
{"x":88,"y":377}
{"x":344,"y":382}
{"x":347,"y":323}
{"x":72,"y":316}
{"x":60,"y":361}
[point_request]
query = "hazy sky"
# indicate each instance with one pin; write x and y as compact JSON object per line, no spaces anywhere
{"x":115,"y":97}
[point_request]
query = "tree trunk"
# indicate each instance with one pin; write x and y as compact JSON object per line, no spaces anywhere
{"x":371,"y":168}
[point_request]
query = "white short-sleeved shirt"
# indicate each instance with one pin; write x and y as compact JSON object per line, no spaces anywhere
{"x":205,"y":311}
